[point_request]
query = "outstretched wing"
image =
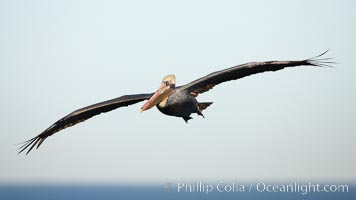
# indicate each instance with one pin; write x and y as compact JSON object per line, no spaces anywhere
{"x":207,"y":82}
{"x":83,"y":114}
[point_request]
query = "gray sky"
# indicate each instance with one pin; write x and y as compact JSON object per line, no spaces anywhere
{"x":295,"y":124}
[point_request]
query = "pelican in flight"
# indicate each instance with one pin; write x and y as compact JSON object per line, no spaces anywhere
{"x":172,"y":100}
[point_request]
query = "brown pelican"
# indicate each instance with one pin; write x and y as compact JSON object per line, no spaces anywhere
{"x":169,"y":99}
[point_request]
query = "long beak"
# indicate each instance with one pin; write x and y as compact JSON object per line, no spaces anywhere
{"x":157,"y":98}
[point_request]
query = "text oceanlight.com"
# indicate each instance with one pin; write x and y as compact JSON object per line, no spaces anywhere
{"x":294,"y":187}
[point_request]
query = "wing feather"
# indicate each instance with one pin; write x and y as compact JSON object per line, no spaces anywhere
{"x":206,"y":83}
{"x":81,"y":115}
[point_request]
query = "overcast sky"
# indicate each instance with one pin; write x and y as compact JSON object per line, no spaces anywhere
{"x":295,"y":124}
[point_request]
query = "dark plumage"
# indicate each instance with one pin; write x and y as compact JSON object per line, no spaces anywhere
{"x":182,"y":104}
{"x":83,"y":114}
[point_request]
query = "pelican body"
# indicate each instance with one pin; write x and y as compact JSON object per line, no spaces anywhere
{"x":171,"y":100}
{"x":181,"y":104}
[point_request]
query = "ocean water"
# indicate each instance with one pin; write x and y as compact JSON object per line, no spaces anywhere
{"x":103,"y":192}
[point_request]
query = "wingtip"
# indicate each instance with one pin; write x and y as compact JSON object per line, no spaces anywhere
{"x":30,"y":143}
{"x":321,"y":62}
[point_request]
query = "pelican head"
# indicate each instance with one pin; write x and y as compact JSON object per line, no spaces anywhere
{"x":167,"y":86}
